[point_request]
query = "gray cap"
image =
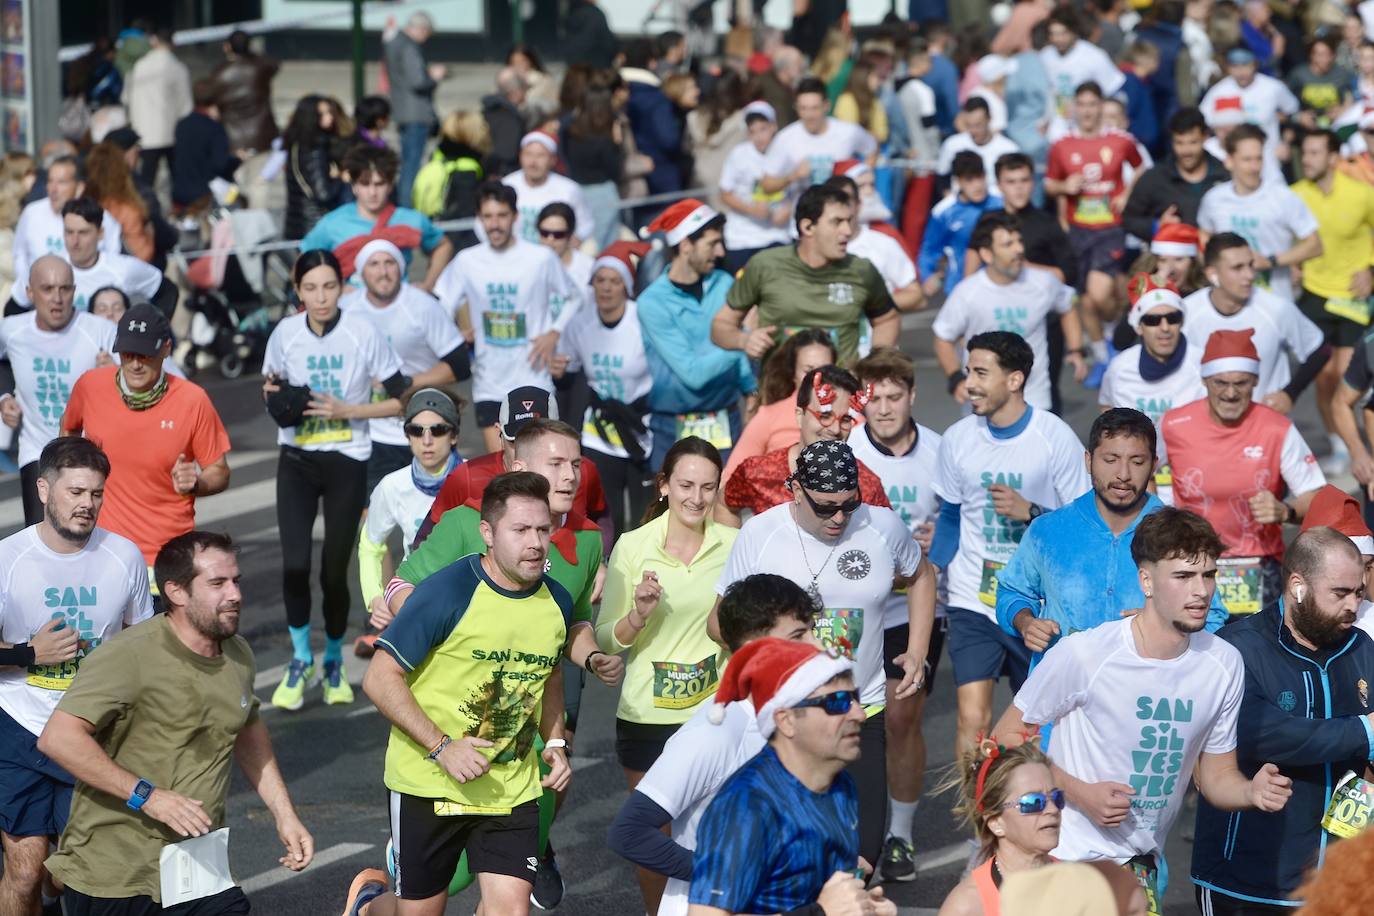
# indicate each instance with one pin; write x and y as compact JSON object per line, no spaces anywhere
{"x":435,"y":400}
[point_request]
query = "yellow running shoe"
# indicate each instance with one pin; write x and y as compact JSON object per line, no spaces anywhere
{"x":290,"y":693}
{"x":337,"y":690}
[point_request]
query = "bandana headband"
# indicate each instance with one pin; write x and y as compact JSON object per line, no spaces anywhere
{"x":827,"y":467}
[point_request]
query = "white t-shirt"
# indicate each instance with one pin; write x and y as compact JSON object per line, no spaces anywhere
{"x":1364,"y":617}
{"x":839,"y":141}
{"x":1044,"y":463}
{"x":995,"y":148}
{"x":580,"y":273}
{"x":695,"y":763}
{"x":1272,"y":219}
{"x":396,"y":504}
{"x":508,"y":296}
{"x":39,"y":232}
{"x":744,"y":168}
{"x":910,"y":484}
{"x":420,"y":332}
{"x":99,"y":590}
{"x":344,"y":362}
{"x":1279,"y":326}
{"x":1085,"y":61}
{"x":556,"y":189}
{"x":1262,"y":101}
{"x":997,"y":107}
{"x":977,"y":304}
{"x":1123,"y":386}
{"x":616,"y":367}
{"x":1120,"y":717}
{"x":136,"y":278}
{"x":46,"y":366}
{"x":1271,"y":171}
{"x":887,"y":254}
{"x":855,"y":577}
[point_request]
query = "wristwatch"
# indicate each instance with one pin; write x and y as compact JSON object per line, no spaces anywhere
{"x":587,"y":664}
{"x":1034,"y":512}
{"x":142,"y":790}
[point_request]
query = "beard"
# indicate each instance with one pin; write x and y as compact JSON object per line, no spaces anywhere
{"x":210,"y":625}
{"x":70,"y":535}
{"x":1320,"y":629}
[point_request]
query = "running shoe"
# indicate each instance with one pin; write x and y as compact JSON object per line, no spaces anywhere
{"x":367,"y":887}
{"x":337,"y":690}
{"x":898,"y":860}
{"x":290,"y":693}
{"x":365,"y":646}
{"x":548,"y":883}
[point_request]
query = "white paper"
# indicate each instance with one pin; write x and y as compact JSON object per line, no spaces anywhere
{"x":195,"y":868}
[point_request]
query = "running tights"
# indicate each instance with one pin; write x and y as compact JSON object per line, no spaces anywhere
{"x":870,"y":777}
{"x":303,"y":479}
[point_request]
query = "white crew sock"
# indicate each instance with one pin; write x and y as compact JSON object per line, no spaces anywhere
{"x":1099,"y":348}
{"x":903,"y":814}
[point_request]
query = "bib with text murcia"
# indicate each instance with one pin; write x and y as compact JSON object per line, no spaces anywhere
{"x":680,"y":685}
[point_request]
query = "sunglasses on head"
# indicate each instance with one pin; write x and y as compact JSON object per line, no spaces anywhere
{"x":828,"y":511}
{"x":1155,"y":320}
{"x":835,"y":704}
{"x":438,"y":430}
{"x":553,"y":233}
{"x":1036,"y":802}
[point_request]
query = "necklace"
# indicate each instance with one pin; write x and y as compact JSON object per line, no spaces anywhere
{"x":812,"y":590}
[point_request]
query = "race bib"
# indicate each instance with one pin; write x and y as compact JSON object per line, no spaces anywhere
{"x":318,"y":431}
{"x":1164,"y":476}
{"x":1093,"y":211}
{"x":680,"y":685}
{"x":1357,"y":310}
{"x":839,"y":629}
{"x":610,"y":436}
{"x":1240,"y":583}
{"x":1351,"y":804}
{"x":1146,"y":873}
{"x":987,"y":585}
{"x":504,"y":329}
{"x":713,"y":427}
{"x":52,"y":677}
{"x":444,"y":808}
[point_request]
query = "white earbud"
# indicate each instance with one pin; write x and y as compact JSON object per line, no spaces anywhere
{"x":1299,"y":593}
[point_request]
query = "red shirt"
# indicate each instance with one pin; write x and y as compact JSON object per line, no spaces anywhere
{"x":760,"y":483}
{"x":1100,"y":161}
{"x":140,"y":501}
{"x":464,"y":486}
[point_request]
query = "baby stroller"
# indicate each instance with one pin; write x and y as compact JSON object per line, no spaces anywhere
{"x":235,"y":301}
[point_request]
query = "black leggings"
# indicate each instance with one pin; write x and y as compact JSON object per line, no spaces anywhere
{"x":303,"y":478}
{"x":625,"y":483}
{"x":870,"y":776}
{"x":28,"y":489}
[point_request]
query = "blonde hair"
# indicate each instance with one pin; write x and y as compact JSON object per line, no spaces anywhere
{"x":15,"y":167}
{"x":834,"y":51}
{"x":976,"y":808}
{"x":675,"y":86}
{"x":468,"y":128}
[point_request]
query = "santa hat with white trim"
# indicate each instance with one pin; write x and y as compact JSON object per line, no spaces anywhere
{"x":618,"y":257}
{"x":774,"y":674}
{"x":543,"y":138}
{"x":1227,"y":111}
{"x":850,"y":168}
{"x":1146,"y":294}
{"x":1230,"y":351}
{"x":1332,"y":507}
{"x":682,"y":220}
{"x":1175,"y":240}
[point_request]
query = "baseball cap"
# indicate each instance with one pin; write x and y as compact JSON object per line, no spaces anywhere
{"x":435,"y":400}
{"x":1240,"y":56}
{"x":522,"y":405}
{"x":143,"y":330}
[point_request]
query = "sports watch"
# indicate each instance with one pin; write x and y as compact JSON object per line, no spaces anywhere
{"x":140,"y":794}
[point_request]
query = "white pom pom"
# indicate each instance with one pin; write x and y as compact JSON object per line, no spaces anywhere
{"x":716,"y":714}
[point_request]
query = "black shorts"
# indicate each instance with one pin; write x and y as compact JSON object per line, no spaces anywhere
{"x":488,"y":413}
{"x":231,"y":902}
{"x":1101,"y":250}
{"x":894,"y":644}
{"x":1336,"y":330}
{"x":639,"y":744}
{"x":980,"y":651}
{"x":427,"y":846}
{"x":384,"y":459}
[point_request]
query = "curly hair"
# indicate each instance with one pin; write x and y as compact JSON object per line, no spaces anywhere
{"x":108,"y":178}
{"x":778,"y":379}
{"x":1342,"y":885}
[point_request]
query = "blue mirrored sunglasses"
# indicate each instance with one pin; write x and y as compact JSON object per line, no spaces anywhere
{"x":1036,"y":802}
{"x":835,"y":704}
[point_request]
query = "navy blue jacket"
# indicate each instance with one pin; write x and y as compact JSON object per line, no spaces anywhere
{"x":657,"y":134}
{"x":1168,"y":38}
{"x":1303,"y":711}
{"x":1140,"y":111}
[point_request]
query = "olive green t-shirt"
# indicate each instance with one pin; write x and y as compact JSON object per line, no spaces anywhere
{"x":793,"y":297}
{"x":167,"y":715}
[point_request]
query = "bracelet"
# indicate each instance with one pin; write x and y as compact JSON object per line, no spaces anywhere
{"x":558,"y":743}
{"x":631,"y":617}
{"x":439,"y":748}
{"x":591,"y":655}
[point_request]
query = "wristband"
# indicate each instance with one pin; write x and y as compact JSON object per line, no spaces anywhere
{"x":556,"y":743}
{"x":439,"y":748}
{"x":20,"y":655}
{"x":955,"y":379}
{"x":591,"y":655}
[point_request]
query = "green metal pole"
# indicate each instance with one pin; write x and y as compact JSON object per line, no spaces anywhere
{"x":357,"y":51}
{"x":517,"y":22}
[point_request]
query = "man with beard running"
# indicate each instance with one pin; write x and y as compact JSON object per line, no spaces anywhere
{"x":1252,"y":864}
{"x":1073,"y":570}
{"x":65,"y":587}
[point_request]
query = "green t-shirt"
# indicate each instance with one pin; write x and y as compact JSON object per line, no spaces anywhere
{"x":167,"y":715}
{"x":458,"y":535}
{"x":794,"y":297}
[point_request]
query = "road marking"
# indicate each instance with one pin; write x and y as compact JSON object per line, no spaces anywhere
{"x":322,"y":858}
{"x":583,"y":763}
{"x":943,"y":857}
{"x":360,"y":712}
{"x":269,"y":676}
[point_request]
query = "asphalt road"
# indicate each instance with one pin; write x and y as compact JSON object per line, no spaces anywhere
{"x":332,"y":758}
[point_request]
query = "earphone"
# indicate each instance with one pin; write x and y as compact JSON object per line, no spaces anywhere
{"x":1299,"y":593}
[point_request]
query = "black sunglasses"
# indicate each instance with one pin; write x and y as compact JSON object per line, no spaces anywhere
{"x":1154,"y":321}
{"x":554,"y":233}
{"x":828,"y":511}
{"x":1035,"y":802}
{"x":438,"y":430}
{"x":834,"y":704}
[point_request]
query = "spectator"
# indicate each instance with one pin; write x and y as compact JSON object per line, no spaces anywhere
{"x":1352,"y":37}
{"x":242,"y":88}
{"x":313,"y":186}
{"x":1174,"y":82}
{"x":916,"y":101}
{"x":715,"y":128}
{"x":1323,"y":88}
{"x":446,"y":187}
{"x":110,"y":183}
{"x":541,"y":99}
{"x":1029,"y":97}
{"x":412,"y":95}
{"x":753,"y":220}
{"x":778,"y":85}
{"x":1107,"y":17}
{"x":1257,"y":33}
{"x":372,"y":116}
{"x":157,"y":93}
{"x":979,"y":137}
{"x":859,"y":104}
{"x":595,"y":157}
{"x":832,"y":63}
{"x":1196,"y":15}
{"x":634,"y":183}
{"x":589,"y":38}
{"x":671,"y":50}
{"x":993,"y":72}
{"x":943,"y":77}
{"x":165,"y":235}
{"x":203,"y":153}
{"x":1015,"y":34}
{"x":1139,"y":66}
{"x":1364,"y":74}
{"x":656,"y":130}
{"x":682,"y":90}
{"x":951,"y":224}
{"x":502,"y":109}
{"x":537,"y":185}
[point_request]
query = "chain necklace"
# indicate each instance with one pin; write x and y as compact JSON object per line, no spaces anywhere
{"x":812,"y":590}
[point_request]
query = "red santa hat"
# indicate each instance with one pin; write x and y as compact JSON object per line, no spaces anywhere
{"x":1230,"y":351}
{"x":774,"y":674}
{"x":1227,"y":111}
{"x":1146,"y":294}
{"x":681,"y":220}
{"x":1332,"y":507}
{"x":851,"y":168}
{"x":618,"y":257}
{"x":544,"y":139}
{"x":1175,"y":240}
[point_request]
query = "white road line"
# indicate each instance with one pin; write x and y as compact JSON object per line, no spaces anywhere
{"x":355,"y":669}
{"x":322,"y":858}
{"x":943,"y":857}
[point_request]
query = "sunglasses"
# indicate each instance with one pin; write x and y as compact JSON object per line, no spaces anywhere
{"x":846,"y":420}
{"x":828,"y":511}
{"x":559,"y":234}
{"x":834,"y":704}
{"x":1036,"y":802}
{"x":1154,"y":321}
{"x":438,"y":430}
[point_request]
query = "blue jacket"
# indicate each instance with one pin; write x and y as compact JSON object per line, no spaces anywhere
{"x":943,"y":79}
{"x":1071,"y":569}
{"x":657,"y":134}
{"x":1168,"y":39}
{"x":947,"y":233}
{"x":690,"y":373}
{"x":1305,"y":712}
{"x":1140,"y":110}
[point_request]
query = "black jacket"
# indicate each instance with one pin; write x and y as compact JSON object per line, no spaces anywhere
{"x":588,"y":37}
{"x":203,"y":154}
{"x":507,"y":126}
{"x":1161,"y":186}
{"x":310,"y":191}
{"x":1304,"y":712}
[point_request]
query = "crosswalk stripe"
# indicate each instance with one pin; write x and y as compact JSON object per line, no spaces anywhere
{"x":336,"y":853}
